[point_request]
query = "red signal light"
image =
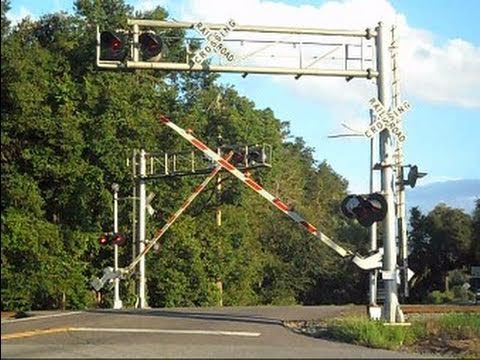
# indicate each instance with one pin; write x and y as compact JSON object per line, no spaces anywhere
{"x":103,"y":239}
{"x":116,"y":44}
{"x":112,"y":46}
{"x":118,"y":239}
{"x":151,"y":46}
{"x":367,"y":209}
{"x":238,"y":157}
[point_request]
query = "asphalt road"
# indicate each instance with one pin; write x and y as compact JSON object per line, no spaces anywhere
{"x":229,"y":332}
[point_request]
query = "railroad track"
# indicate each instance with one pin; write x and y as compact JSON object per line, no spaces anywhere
{"x":438,"y":309}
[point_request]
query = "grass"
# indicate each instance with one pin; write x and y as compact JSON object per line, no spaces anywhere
{"x":362,"y":331}
{"x":458,"y":326}
{"x":456,"y":333}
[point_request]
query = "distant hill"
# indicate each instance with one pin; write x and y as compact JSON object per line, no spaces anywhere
{"x":455,"y":193}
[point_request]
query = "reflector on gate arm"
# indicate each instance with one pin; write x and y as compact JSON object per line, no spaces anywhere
{"x":371,"y":262}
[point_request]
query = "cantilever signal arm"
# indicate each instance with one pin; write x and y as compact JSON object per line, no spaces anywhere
{"x":366,"y":263}
{"x":109,"y":273}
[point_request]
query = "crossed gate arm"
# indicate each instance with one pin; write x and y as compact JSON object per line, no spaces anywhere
{"x":366,"y":263}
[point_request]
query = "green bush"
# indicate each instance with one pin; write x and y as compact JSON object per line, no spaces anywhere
{"x":457,"y":277}
{"x":462,"y":294}
{"x":439,"y":297}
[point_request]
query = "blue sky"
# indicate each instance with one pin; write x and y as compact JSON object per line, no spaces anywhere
{"x":443,"y":127}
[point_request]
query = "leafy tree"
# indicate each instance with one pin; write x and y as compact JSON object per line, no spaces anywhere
{"x":475,"y":250}
{"x":419,"y":258}
{"x":5,"y":22}
{"x":451,"y":234}
{"x":441,"y":242}
{"x":68,"y":128}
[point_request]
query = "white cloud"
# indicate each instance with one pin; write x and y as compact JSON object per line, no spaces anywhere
{"x":447,"y":74}
{"x":442,"y":74}
{"x":146,"y":5}
{"x":436,"y":179}
{"x":23,"y":12}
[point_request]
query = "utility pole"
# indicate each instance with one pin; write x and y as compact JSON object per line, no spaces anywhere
{"x":391,"y":308}
{"x":117,"y":303}
{"x":141,"y":229}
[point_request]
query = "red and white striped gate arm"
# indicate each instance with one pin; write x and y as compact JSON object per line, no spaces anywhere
{"x":174,"y":217}
{"x":371,"y":262}
{"x":278,"y":203}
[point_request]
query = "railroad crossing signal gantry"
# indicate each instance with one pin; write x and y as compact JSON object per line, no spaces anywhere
{"x":274,"y":50}
{"x":303,"y":51}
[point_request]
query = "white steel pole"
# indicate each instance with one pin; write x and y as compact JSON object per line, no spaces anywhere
{"x":218,"y":282}
{"x":117,"y":303}
{"x":134,"y":215}
{"x":373,"y":228}
{"x":391,"y":309}
{"x":401,"y":215}
{"x":141,"y":229}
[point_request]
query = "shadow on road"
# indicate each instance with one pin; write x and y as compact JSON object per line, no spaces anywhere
{"x":193,"y":315}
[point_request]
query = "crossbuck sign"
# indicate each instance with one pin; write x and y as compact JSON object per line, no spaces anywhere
{"x":387,"y":119}
{"x":214,"y":42}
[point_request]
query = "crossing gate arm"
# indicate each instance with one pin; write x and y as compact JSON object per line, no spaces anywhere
{"x":177,"y":214}
{"x":368,"y":263}
{"x":110,"y":274}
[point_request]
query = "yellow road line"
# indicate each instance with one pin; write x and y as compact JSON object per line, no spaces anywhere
{"x":31,"y":333}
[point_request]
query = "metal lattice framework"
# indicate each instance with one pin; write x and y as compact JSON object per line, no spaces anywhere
{"x":187,"y":163}
{"x":257,"y":49}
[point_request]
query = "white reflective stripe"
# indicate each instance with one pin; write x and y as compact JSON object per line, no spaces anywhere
{"x":38,"y":317}
{"x":168,"y":331}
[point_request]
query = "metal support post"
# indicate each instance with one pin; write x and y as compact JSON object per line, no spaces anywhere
{"x":374,"y":311}
{"x":141,"y":229}
{"x":401,"y":208}
{"x":135,"y":50}
{"x":391,"y":308}
{"x":134,"y":214}
{"x":373,"y":229}
{"x":218,"y":216}
{"x":117,"y":303}
{"x":402,"y":231}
